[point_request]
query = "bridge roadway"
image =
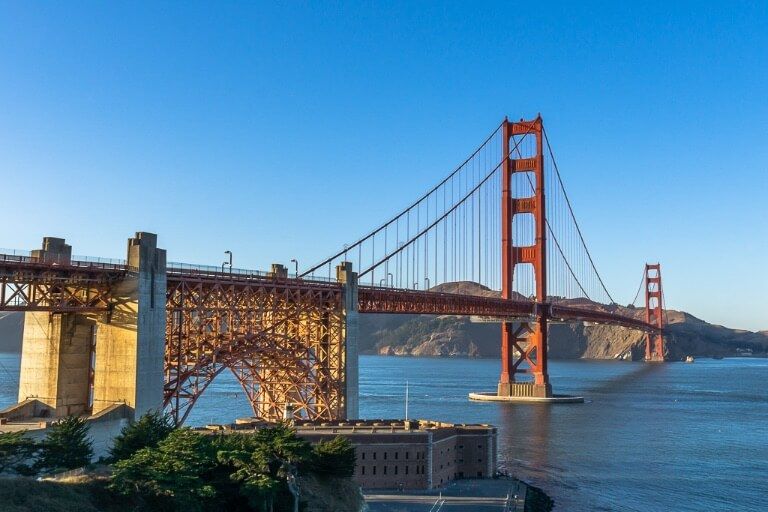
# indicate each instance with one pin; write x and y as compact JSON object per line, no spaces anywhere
{"x":84,"y":286}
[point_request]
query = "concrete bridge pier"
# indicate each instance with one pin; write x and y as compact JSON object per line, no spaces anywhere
{"x":130,"y":340}
{"x":348,"y":278}
{"x":56,"y":354}
{"x":76,"y":363}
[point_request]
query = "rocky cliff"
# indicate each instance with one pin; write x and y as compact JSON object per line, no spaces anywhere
{"x":452,"y":336}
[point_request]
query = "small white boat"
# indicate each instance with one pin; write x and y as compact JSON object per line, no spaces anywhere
{"x":689,"y":359}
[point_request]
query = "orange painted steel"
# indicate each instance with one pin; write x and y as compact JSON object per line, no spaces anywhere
{"x":654,"y":313}
{"x":281,"y":338}
{"x":526,"y":343}
{"x":27,"y":284}
{"x":284,"y":339}
{"x":393,"y":300}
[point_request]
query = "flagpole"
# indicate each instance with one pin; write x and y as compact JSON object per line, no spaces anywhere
{"x":406,"y":400}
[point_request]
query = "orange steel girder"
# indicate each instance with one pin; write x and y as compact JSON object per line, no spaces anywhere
{"x":655,"y":349}
{"x":31,"y":286}
{"x":282,"y":339}
{"x":532,"y":349}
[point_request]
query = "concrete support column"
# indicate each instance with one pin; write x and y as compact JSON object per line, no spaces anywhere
{"x":130,"y":340}
{"x":56,"y":349}
{"x":56,"y":361}
{"x":348,"y":278}
{"x":55,"y":250}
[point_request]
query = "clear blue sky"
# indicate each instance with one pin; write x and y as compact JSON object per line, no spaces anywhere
{"x":282,"y":131}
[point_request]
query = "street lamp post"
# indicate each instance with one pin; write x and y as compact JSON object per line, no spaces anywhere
{"x":227,"y":262}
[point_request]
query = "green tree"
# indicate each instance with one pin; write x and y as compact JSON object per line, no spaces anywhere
{"x":280,"y":449}
{"x":261,"y":462}
{"x":248,"y":471}
{"x":190,"y":471}
{"x":147,"y":432}
{"x":16,"y":450}
{"x":336,"y":457}
{"x":172,"y":476}
{"x":66,"y":446}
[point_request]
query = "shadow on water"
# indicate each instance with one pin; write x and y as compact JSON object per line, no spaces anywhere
{"x":627,"y":380}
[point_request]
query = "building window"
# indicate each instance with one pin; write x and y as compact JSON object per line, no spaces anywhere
{"x":395,"y":455}
{"x":363,"y":455}
{"x":374,"y":470}
{"x":374,"y":455}
{"x":395,"y":469}
{"x":406,"y":454}
{"x":385,"y":470}
{"x":406,"y":470}
{"x":362,"y":468}
{"x":385,"y":455}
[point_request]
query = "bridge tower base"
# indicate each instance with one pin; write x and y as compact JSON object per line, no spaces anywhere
{"x":348,"y":278}
{"x":81,"y":363}
{"x":524,"y":344}
{"x":524,"y":348}
{"x":655,"y":349}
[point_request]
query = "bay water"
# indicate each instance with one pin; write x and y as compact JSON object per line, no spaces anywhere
{"x":650,"y":437}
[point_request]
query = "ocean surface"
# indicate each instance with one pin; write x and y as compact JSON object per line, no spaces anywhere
{"x":666,"y":437}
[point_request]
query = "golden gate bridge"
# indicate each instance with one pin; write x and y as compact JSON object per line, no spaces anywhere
{"x":502,"y":220}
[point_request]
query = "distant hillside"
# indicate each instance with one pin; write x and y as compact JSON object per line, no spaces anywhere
{"x":452,"y":336}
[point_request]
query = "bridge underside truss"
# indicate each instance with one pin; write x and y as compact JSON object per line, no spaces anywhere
{"x":283,"y":341}
{"x":30,"y":286}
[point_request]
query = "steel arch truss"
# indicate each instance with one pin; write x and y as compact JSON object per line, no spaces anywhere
{"x":26,"y":286}
{"x":283,"y":341}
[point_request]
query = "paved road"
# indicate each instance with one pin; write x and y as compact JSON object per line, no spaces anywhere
{"x":461,"y":496}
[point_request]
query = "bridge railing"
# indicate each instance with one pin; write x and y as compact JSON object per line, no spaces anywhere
{"x":218,"y":271}
{"x":90,"y":262}
{"x":96,"y":259}
{"x":176,"y":268}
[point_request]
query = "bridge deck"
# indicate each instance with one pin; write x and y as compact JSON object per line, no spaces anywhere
{"x":81,"y":286}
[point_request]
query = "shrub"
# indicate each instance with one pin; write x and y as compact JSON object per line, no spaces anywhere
{"x":170,"y":476}
{"x":336,"y":457}
{"x":189,"y":471}
{"x":15,"y":451}
{"x":147,"y":432}
{"x":66,"y":446}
